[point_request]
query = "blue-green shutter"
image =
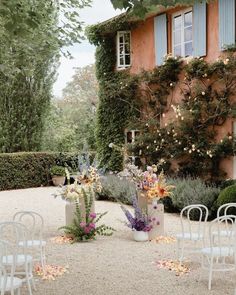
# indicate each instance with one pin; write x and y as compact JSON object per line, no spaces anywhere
{"x":199,"y":28}
{"x":226,"y":23}
{"x":160,"y":31}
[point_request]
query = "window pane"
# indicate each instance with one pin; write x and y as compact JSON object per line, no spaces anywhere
{"x":127,"y":60}
{"x":129,"y":137}
{"x":121,"y":61}
{"x":121,"y":49}
{"x":177,"y":22}
{"x":121,"y":39}
{"x":127,"y":38}
{"x":188,"y":19}
{"x":127,"y":48}
{"x":188,"y":34}
{"x":177,"y":37}
{"x":188,"y":49}
{"x":177,"y":50}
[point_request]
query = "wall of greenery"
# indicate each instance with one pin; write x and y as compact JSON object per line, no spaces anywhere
{"x":117,"y":92}
{"x":206,"y":95}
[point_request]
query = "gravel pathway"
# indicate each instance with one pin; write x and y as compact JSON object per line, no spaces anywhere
{"x":110,"y":265}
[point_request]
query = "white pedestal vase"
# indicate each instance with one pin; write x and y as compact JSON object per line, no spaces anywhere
{"x":156,"y":215}
{"x":70,"y":209}
{"x":140,"y":236}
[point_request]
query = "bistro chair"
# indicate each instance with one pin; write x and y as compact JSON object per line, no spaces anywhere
{"x":220,"y":255}
{"x":19,"y":259}
{"x":34,"y":223}
{"x":192,"y":231}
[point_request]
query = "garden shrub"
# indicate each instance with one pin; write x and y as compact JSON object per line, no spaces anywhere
{"x":25,"y":170}
{"x":227,"y":195}
{"x":115,"y":188}
{"x":227,"y":182}
{"x":189,"y":191}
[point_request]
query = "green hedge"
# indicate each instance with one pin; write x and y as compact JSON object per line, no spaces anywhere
{"x":25,"y":170}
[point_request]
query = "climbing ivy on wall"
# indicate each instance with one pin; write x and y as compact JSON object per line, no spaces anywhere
{"x":204,"y":103}
{"x":117,"y":91}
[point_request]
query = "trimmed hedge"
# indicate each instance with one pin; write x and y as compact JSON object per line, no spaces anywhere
{"x":24,"y":170}
{"x":227,"y":195}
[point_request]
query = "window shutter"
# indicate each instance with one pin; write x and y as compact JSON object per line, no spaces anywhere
{"x":160,"y":31}
{"x":199,"y":28}
{"x":226,"y":23}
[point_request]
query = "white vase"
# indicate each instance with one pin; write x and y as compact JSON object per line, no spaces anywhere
{"x":140,"y":236}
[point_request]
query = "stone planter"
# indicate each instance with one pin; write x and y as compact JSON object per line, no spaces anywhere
{"x":156,"y":214}
{"x":140,"y":236}
{"x":58,"y":180}
{"x":155,"y":211}
{"x":70,"y":209}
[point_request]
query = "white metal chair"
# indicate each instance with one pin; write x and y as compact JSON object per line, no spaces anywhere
{"x":192,"y":231}
{"x":223,"y":211}
{"x":14,"y":233}
{"x":35,"y":224}
{"x":8,"y":282}
{"x":217,"y":256}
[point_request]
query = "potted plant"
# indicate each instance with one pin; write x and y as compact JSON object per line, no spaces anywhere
{"x":139,"y":222}
{"x":58,"y":175}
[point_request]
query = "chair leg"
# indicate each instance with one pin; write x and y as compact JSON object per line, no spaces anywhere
{"x":31,"y":275}
{"x":210,"y":273}
{"x":182,"y":252}
{"x":27,"y":274}
{"x":18,"y":291}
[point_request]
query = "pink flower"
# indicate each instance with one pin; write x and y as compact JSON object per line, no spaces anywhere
{"x":92,"y":225}
{"x":87,"y":230}
{"x":82,"y":224}
{"x":92,"y":215}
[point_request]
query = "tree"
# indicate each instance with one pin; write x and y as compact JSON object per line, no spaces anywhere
{"x":141,"y":7}
{"x":32,"y":38}
{"x":71,"y":121}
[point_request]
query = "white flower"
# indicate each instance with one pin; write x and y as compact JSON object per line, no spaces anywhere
{"x":182,"y":118}
{"x":154,"y":141}
{"x":203,"y":93}
{"x":171,"y":84}
{"x":111,"y":145}
{"x":230,"y":137}
{"x":163,"y":115}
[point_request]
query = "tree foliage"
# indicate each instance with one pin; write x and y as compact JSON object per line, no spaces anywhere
{"x":141,"y":7}
{"x":31,"y":39}
{"x":71,"y":120}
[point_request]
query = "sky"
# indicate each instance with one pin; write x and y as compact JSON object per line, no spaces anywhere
{"x":83,"y":53}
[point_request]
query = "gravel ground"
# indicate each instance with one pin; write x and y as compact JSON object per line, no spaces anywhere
{"x":110,"y":265}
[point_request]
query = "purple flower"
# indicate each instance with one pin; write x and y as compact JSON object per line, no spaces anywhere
{"x":92,"y":215}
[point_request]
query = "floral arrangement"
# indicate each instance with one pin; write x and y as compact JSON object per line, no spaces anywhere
{"x":86,"y":180}
{"x":139,"y":221}
{"x":85,"y":228}
{"x":155,"y":185}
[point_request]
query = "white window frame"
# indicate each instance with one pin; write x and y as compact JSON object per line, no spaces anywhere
{"x":124,"y":66}
{"x":182,"y":13}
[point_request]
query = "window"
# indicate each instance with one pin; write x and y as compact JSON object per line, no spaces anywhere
{"x":183,"y":33}
{"x":123,"y":49}
{"x":130,"y":138}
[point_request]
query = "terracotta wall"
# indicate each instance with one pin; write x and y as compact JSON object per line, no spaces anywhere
{"x":143,"y":58}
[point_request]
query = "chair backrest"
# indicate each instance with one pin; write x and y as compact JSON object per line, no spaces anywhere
{"x":225,"y":209}
{"x":14,"y":233}
{"x":222,"y":234}
{"x":5,"y":250}
{"x":33,"y":222}
{"x":197,"y":226}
